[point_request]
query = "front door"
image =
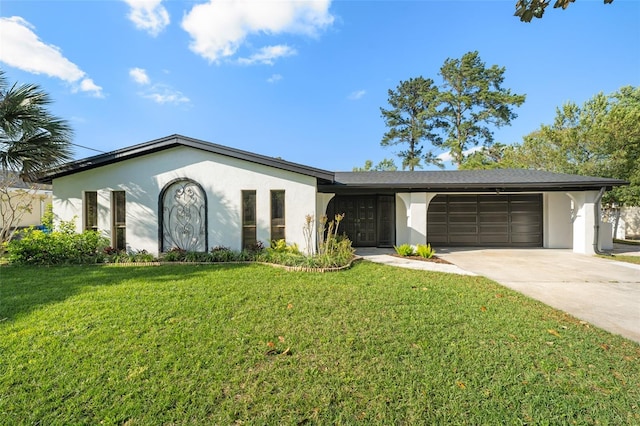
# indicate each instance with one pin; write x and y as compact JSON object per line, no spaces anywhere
{"x":362,"y":214}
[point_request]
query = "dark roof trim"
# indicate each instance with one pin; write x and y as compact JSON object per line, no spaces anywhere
{"x":175,"y":141}
{"x":503,"y":180}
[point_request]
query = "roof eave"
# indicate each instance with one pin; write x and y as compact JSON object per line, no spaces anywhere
{"x":175,"y":141}
{"x":480,"y":187}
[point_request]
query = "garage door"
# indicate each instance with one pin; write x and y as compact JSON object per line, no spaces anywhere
{"x":485,"y":220}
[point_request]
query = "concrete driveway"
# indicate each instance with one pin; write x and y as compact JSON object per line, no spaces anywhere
{"x":602,"y":292}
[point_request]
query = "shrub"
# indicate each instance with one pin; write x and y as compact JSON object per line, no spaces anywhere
{"x":404,"y":250}
{"x":281,"y":246}
{"x":197,"y":256}
{"x":63,"y":246}
{"x":425,"y":251}
{"x":174,"y":255}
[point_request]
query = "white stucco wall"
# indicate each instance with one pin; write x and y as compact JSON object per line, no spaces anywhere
{"x":222,"y":178}
{"x":557,"y":220}
{"x":585,"y":213}
{"x":36,"y":202}
{"x":411,"y":217}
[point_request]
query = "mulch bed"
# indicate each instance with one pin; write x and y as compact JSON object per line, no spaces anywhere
{"x":434,"y":259}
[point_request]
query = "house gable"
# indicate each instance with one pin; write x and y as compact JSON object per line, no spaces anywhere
{"x":174,"y":141}
{"x":144,"y":179}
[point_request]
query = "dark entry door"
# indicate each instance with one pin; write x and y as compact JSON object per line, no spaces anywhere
{"x":359,"y":221}
{"x":486,"y":220}
{"x":369,"y":220}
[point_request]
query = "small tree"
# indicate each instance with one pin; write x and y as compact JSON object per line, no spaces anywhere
{"x":16,"y":200}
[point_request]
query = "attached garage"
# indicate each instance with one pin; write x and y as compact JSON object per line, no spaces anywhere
{"x":471,"y":208}
{"x":513,"y":220}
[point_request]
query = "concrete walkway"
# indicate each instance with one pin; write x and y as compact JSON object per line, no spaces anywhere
{"x":602,"y":292}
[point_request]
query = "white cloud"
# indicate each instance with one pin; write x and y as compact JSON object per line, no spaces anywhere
{"x":23,"y":49}
{"x":162,"y":94}
{"x":268,"y":54}
{"x":148,"y":15}
{"x":158,"y":92}
{"x":219,"y":27}
{"x":446,"y":157}
{"x":358,"y":94}
{"x":274,"y":78}
{"x":139,"y":75}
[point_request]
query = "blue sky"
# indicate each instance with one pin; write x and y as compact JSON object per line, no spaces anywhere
{"x":301,"y":80}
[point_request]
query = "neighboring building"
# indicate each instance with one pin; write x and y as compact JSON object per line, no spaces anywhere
{"x":22,"y":204}
{"x":625,"y":222}
{"x":182,"y":192}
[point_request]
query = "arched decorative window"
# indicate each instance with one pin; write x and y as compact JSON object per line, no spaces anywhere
{"x":183,"y":216}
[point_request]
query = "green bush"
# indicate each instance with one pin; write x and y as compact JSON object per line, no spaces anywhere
{"x":281,"y":246}
{"x":425,"y":251}
{"x":63,"y":246}
{"x":223,"y":254}
{"x":404,"y":250}
{"x":142,"y":256}
{"x":174,"y":255}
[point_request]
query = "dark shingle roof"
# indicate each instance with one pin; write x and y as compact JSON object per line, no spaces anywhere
{"x":349,"y":182}
{"x":468,"y":181}
{"x":175,"y":141}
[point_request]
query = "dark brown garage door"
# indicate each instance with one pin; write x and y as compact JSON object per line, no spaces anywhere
{"x":485,"y":220}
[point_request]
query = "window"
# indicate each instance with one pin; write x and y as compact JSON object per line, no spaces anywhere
{"x":118,"y":216}
{"x":277,"y":215}
{"x":91,"y":211}
{"x":248,"y":219}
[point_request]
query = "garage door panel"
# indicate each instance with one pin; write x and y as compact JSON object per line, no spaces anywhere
{"x":438,"y":217}
{"x":492,"y":220}
{"x":464,"y":208}
{"x":437,"y":208}
{"x":494,"y":229}
{"x":463,"y":239}
{"x":458,"y":218}
{"x":524,"y":218}
{"x":530,"y":240}
{"x":490,"y":239}
{"x":464,"y":229}
{"x":525,"y":229}
{"x":493,"y":208}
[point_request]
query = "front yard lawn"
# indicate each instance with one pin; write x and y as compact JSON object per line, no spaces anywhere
{"x":252,"y":344}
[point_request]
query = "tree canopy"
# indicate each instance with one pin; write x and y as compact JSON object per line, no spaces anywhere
{"x":459,"y":113}
{"x":598,"y":138}
{"x":471,"y":100}
{"x":411,"y":120}
{"x":31,"y":138}
{"x":526,"y":10}
{"x":386,"y":165}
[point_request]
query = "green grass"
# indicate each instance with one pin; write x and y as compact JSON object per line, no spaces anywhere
{"x":622,"y":258}
{"x":627,"y":242}
{"x":251,"y":344}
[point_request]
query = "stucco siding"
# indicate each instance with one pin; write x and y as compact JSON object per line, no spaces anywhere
{"x":222,"y":179}
{"x":558,"y":226}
